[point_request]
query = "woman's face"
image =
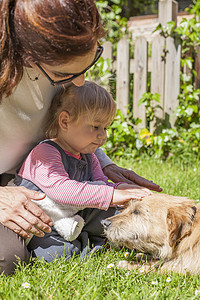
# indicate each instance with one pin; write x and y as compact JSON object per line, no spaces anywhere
{"x":73,"y":67}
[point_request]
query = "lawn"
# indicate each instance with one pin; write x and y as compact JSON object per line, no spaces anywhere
{"x":97,"y":277}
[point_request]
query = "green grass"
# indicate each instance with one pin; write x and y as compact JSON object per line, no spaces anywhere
{"x":91,"y":279}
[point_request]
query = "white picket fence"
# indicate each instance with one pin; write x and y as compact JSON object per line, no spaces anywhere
{"x":165,"y":74}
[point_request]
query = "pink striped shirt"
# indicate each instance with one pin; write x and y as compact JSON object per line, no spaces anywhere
{"x":43,"y":166}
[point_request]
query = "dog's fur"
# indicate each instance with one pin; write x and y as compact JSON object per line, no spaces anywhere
{"x":165,"y":226}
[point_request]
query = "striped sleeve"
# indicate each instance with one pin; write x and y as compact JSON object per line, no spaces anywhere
{"x":44,"y":168}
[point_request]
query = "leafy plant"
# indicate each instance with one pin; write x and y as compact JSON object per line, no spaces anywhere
{"x":149,"y":100}
{"x":115,"y":25}
{"x":121,"y":137}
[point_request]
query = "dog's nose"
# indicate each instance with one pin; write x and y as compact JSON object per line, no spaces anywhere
{"x":106,"y":223}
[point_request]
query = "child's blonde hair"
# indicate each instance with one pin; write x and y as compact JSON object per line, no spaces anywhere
{"x":89,"y":98}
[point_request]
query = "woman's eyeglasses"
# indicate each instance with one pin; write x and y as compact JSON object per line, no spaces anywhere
{"x":63,"y":81}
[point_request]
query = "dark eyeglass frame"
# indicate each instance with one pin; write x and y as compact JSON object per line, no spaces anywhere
{"x":63,"y":81}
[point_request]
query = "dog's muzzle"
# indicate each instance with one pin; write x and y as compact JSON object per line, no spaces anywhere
{"x":106,"y":223}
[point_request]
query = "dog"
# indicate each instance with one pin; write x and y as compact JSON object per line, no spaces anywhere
{"x":164,"y":226}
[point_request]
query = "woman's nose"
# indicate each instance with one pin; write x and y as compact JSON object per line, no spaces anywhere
{"x":80,"y":80}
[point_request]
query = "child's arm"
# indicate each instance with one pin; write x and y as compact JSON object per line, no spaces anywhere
{"x":45,"y":169}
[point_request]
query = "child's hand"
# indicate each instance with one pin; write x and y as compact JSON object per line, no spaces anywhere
{"x":128,"y":192}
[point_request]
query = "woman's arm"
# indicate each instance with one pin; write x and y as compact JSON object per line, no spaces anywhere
{"x":98,"y":174}
{"x":117,"y":174}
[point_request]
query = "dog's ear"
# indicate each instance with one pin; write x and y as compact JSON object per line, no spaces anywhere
{"x":179,"y":221}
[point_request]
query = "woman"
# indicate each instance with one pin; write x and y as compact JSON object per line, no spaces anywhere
{"x":43,"y":44}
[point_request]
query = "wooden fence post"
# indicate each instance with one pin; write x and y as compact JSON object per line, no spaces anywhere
{"x":158,"y":75}
{"x":122,"y":88}
{"x":108,"y":54}
{"x":167,"y":11}
{"x":140,"y":78}
{"x":172,"y":79}
{"x":107,"y":51}
{"x":197,"y":68}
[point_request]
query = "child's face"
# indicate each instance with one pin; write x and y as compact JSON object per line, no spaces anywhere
{"x":84,"y":135}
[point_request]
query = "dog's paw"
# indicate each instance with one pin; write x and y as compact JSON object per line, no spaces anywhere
{"x":124,"y":264}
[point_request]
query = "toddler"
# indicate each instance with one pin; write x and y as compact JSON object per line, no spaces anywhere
{"x":65,"y":168}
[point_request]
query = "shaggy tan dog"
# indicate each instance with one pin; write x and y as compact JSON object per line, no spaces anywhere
{"x":164,"y":226}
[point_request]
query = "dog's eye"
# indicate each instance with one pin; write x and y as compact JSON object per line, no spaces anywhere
{"x":136,"y":212}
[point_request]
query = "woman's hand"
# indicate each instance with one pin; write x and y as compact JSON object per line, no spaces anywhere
{"x":117,"y":174}
{"x":20,"y":214}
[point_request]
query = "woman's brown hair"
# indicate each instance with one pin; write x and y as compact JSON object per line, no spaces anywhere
{"x":44,"y":31}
